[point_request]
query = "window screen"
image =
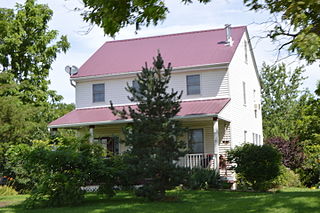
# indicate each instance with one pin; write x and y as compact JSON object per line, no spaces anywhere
{"x":98,"y":92}
{"x":193,"y":84}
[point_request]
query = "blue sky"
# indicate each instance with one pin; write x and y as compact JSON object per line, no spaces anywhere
{"x":182,"y":18}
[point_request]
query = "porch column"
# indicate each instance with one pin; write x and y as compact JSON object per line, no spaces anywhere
{"x":91,"y":128}
{"x":216,"y":141}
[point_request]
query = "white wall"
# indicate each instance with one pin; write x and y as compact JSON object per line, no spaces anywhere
{"x":213,"y":84}
{"x":242,"y":116}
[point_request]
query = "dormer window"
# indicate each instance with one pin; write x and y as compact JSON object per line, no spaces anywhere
{"x":193,"y":84}
{"x":98,"y":93}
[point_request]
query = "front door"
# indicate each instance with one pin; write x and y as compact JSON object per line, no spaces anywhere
{"x":111,"y":144}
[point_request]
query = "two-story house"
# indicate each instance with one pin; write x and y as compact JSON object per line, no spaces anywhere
{"x":216,"y":70}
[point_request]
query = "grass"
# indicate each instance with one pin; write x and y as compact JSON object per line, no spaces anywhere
{"x":292,"y":200}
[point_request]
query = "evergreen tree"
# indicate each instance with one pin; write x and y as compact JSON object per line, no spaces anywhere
{"x":153,"y":137}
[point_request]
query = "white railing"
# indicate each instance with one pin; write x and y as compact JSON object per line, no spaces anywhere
{"x":201,"y":160}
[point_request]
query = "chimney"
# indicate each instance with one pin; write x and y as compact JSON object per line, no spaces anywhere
{"x":229,"y":41}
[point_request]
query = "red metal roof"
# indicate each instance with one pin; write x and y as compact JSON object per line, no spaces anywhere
{"x":182,"y":50}
{"x":94,"y":116}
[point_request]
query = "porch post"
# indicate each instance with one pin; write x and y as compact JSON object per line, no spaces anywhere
{"x":91,"y":128}
{"x":216,"y":141}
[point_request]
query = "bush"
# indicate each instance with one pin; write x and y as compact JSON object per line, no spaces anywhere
{"x":7,"y":191}
{"x":287,"y":178}
{"x":258,"y":165}
{"x":203,"y":179}
{"x":310,"y":170}
{"x":58,"y":168}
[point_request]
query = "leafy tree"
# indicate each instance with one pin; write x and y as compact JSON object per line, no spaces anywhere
{"x":258,"y":165}
{"x":291,"y":151}
{"x":153,"y":135}
{"x":28,"y":48}
{"x":308,"y":129}
{"x":112,"y":15}
{"x":300,"y":24}
{"x":280,"y":91}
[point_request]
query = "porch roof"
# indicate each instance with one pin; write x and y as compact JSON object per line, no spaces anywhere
{"x":103,"y":115}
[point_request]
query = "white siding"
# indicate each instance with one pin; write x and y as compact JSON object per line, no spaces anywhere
{"x":242,"y":116}
{"x":213,"y":84}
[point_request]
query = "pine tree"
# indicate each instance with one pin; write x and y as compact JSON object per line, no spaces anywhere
{"x":153,"y":136}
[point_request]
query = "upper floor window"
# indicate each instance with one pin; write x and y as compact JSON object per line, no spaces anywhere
{"x":196,"y":140}
{"x":244,"y":93}
{"x":193,"y":84}
{"x":136,"y":85}
{"x":98,"y":92}
{"x":246,"y":52}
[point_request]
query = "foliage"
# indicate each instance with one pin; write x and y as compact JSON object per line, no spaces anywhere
{"x":299,"y":25}
{"x":287,"y":178}
{"x":57,"y":169}
{"x":113,"y":15}
{"x":203,"y":179}
{"x":308,"y":129}
{"x":280,"y":90}
{"x":291,"y":151}
{"x":28,"y":48}
{"x":258,"y":165}
{"x":153,"y":135}
{"x":7,"y":191}
{"x":310,"y":170}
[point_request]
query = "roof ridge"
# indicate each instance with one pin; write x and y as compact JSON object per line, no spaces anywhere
{"x":169,"y":35}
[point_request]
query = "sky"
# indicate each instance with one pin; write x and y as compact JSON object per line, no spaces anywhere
{"x":182,"y":18}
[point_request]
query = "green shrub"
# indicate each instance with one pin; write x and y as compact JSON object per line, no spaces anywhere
{"x":58,"y":168}
{"x":7,"y":191}
{"x":203,"y":179}
{"x":287,"y":178}
{"x":258,"y":165}
{"x":310,"y":170}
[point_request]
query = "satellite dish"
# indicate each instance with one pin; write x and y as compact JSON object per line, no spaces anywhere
{"x":68,"y":69}
{"x":74,"y":70}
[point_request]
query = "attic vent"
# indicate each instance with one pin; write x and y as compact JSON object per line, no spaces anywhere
{"x":229,"y":41}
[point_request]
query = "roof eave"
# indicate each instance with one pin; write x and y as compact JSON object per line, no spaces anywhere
{"x":76,"y":125}
{"x":222,"y":65}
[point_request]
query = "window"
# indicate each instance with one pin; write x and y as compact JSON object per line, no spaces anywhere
{"x":196,"y":142}
{"x":193,"y":84}
{"x":136,"y":85}
{"x":110,"y":144}
{"x":244,"y":93}
{"x":245,"y":52}
{"x":98,"y":92}
{"x":253,"y":138}
{"x":255,"y":113}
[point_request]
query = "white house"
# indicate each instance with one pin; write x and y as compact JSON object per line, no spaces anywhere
{"x":216,"y":70}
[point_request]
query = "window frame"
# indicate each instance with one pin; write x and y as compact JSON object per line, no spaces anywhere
{"x":188,"y":85}
{"x":94,"y":92}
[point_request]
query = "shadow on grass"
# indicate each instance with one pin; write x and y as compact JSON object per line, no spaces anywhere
{"x":196,"y":201}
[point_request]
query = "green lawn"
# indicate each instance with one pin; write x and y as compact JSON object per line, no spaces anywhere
{"x":286,"y":201}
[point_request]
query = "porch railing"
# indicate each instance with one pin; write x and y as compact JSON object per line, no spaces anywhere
{"x":201,"y":160}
